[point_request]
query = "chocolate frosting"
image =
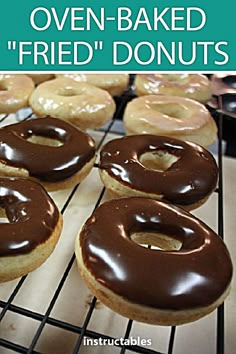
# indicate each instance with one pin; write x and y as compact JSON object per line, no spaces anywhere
{"x":191,"y":178}
{"x":31,"y":212}
{"x":47,"y":163}
{"x":194,"y":276}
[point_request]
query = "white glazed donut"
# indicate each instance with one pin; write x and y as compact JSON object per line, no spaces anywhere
{"x":115,"y":84}
{"x":82,"y":104}
{"x":171,"y":116}
{"x":14,"y":92}
{"x":194,"y":86}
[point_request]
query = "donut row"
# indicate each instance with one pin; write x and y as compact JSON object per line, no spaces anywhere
{"x":88,"y":106}
{"x":193,"y":269}
{"x":193,"y":86}
{"x":192,"y":260}
{"x":159,"y":167}
{"x":82,"y":104}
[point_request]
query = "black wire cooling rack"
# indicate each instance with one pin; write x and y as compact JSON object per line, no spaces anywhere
{"x":82,"y":331}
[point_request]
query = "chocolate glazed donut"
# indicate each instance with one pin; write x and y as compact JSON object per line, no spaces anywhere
{"x":33,"y":229}
{"x":188,"y":181}
{"x":183,"y":282}
{"x":46,"y":163}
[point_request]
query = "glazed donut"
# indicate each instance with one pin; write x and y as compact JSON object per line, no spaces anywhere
{"x":115,"y":84}
{"x":158,"y":167}
{"x":53,"y":151}
{"x":82,"y":104}
{"x":33,"y":230}
{"x":39,"y":78}
{"x":14,"y":92}
{"x":176,"y":117}
{"x":184,"y":281}
{"x":194,"y":86}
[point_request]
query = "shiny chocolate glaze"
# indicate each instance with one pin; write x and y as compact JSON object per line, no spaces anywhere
{"x":31,"y":212}
{"x":47,"y":163}
{"x":194,"y":276}
{"x":191,"y":178}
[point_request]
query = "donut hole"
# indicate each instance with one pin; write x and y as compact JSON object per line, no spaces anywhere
{"x":156,"y":240}
{"x":160,"y":160}
{"x":172,"y":110}
{"x":67,"y":92}
{"x":36,"y":139}
{"x":3,"y":217}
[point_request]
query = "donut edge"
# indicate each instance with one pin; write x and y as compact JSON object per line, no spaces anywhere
{"x":10,"y":171}
{"x":13,"y":267}
{"x":118,"y":190}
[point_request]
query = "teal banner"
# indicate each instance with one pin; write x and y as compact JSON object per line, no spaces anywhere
{"x":125,"y":35}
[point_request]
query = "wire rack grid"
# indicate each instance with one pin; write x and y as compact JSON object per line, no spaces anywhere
{"x":52,"y":311}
